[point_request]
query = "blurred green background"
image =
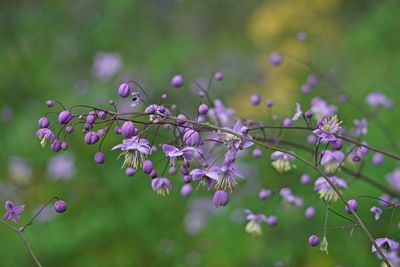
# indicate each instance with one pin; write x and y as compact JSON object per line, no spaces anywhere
{"x":48,"y":50}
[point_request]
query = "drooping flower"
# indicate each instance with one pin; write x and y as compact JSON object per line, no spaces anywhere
{"x":282,"y":161}
{"x":45,"y":135}
{"x":220,"y":114}
{"x":13,"y":211}
{"x":361,"y":127}
{"x":298,"y":113}
{"x":206,"y":177}
{"x":235,"y":141}
{"x":175,"y":154}
{"x":324,"y":189}
{"x":135,"y":150}
{"x":328,"y":128}
{"x":227,"y":177}
{"x":331,"y":160}
{"x":394,"y":178}
{"x":386,"y":244}
{"x":321,"y":109}
{"x":254,"y":222}
{"x":377,"y":211}
{"x":288,"y":197}
{"x":221,"y":198}
{"x":377,"y":99}
{"x":161,"y":185}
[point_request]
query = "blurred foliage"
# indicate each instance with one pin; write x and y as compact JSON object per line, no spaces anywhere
{"x":47,"y":49}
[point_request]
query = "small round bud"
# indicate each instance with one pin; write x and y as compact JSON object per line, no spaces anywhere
{"x":218,"y":76}
{"x":153,"y":174}
{"x":187,"y":178}
{"x":50,"y":103}
{"x":203,"y":109}
{"x":312,"y":80}
{"x":172,"y":170}
{"x":313,"y":240}
{"x":147,"y":166}
{"x":87,"y":127}
{"x":91,"y":138}
{"x":102,"y":115}
{"x":276,"y":59}
{"x":130,"y":171}
{"x":287,"y":122}
{"x":191,"y":138}
{"x":64,"y":145}
{"x":272,"y":220}
{"x":244,"y":130}
{"x":177,"y":81}
{"x":117,"y":129}
{"x":124,"y":90}
{"x":65,"y":117}
{"x":55,"y":145}
{"x":44,"y":122}
{"x":265,"y":193}
{"x":128,"y":129}
{"x":91,"y":118}
{"x":353,"y":204}
{"x":255,"y":99}
{"x":60,"y":206}
{"x":150,"y":109}
{"x":309,"y":213}
{"x":257,"y":153}
{"x":269,"y":103}
{"x":184,"y":170}
{"x":308,"y":114}
{"x":377,"y":159}
{"x":305,"y":89}
{"x":305,"y":179}
{"x":186,"y":190}
{"x":99,"y":157}
{"x":69,"y":129}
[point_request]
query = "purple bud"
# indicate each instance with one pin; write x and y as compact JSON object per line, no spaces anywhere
{"x":130,"y":171}
{"x":102,"y":115}
{"x":313,"y":240}
{"x":124,"y":90}
{"x":203,"y":109}
{"x":308,"y":114}
{"x":218,"y":76}
{"x":69,"y":129}
{"x":312,"y":80}
{"x":221,"y":198}
{"x":287,"y":122}
{"x":377,"y":159}
{"x":60,"y":206}
{"x":184,"y":170}
{"x":186,"y":190}
{"x":309,"y":213}
{"x":201,"y":119}
{"x":65,"y":117}
{"x":150,"y":109}
{"x":305,"y":179}
{"x":312,"y":139}
{"x":337,"y":144}
{"x":276,"y":59}
{"x":255,"y":99}
{"x":356,"y":158}
{"x":244,"y":130}
{"x":191,"y":138}
{"x":128,"y":129}
{"x":269,"y":103}
{"x":87,"y":127}
{"x":147,"y":166}
{"x":50,"y":103}
{"x":153,"y":174}
{"x":187,"y":178}
{"x":305,"y":89}
{"x":257,"y":153}
{"x":99,"y":157}
{"x":272,"y":220}
{"x":177,"y":81}
{"x":91,"y":118}
{"x":117,"y":129}
{"x":265,"y":193}
{"x":56,"y":145}
{"x":172,"y":170}
{"x":353,"y":204}
{"x":91,"y":138}
{"x":43,"y":122}
{"x":64,"y":145}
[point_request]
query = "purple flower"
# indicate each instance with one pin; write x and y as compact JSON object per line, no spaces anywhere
{"x":61,"y":167}
{"x":321,"y":109}
{"x":394,"y":178}
{"x":276,"y":59}
{"x":227,"y":177}
{"x":44,"y":122}
{"x":186,"y":190}
{"x":255,"y":99}
{"x":106,"y":65}
{"x":309,"y":213}
{"x":124,"y":89}
{"x":327,"y":129}
{"x":377,"y":99}
{"x":161,"y":185}
{"x":288,"y":197}
{"x":313,"y":240}
{"x":128,"y":129}
{"x":191,"y":138}
{"x":64,"y":117}
{"x":254,"y":222}
{"x":221,"y":198}
{"x":361,"y":127}
{"x":177,"y":81}
{"x":377,"y":211}
{"x":203,"y":109}
{"x":206,"y":177}
{"x":235,"y":141}
{"x":60,"y":206}
{"x":324,"y":189}
{"x":176,"y":154}
{"x":99,"y":157}
{"x":135,"y":150}
{"x":377,"y":159}
{"x":353,"y":204}
{"x":282,"y":161}
{"x":13,"y":211}
{"x":44,"y":135}
{"x":220,"y":114}
{"x":331,"y":160}
{"x":264,"y":193}
{"x":91,"y":138}
{"x":298,"y":113}
{"x":386,"y":244}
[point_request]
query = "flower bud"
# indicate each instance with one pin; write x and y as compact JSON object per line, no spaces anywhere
{"x":255,"y":99}
{"x":337,"y":144}
{"x":147,"y":166}
{"x":257,"y":153}
{"x":308,"y":114}
{"x":69,"y":129}
{"x":124,"y":90}
{"x":309,"y":213}
{"x":91,"y":138}
{"x":186,"y":190}
{"x":272,"y":220}
{"x":99,"y":157}
{"x":187,"y":178}
{"x":191,"y":138}
{"x":91,"y":118}
{"x":218,"y":76}
{"x":264,"y":193}
{"x":313,"y":240}
{"x":353,"y":204}
{"x":177,"y":81}
{"x":130,"y":171}
{"x":172,"y":170}
{"x":128,"y":129}
{"x":276,"y":59}
{"x":117,"y":129}
{"x":269,"y":103}
{"x":64,"y":145}
{"x":56,"y":145}
{"x":153,"y":174}
{"x":305,"y":179}
{"x":102,"y":115}
{"x":50,"y":103}
{"x":43,"y":122}
{"x":60,"y":206}
{"x":203,"y":109}
{"x":221,"y":198}
{"x":65,"y":117}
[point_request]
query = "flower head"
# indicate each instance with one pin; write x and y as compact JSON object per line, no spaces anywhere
{"x":206,"y":177}
{"x":235,"y":141}
{"x":13,"y":211}
{"x":386,"y":244}
{"x":161,"y":185}
{"x":135,"y":150}
{"x":377,"y":211}
{"x":175,"y":154}
{"x":45,"y":135}
{"x":331,"y":160}
{"x":282,"y":161}
{"x":324,"y":189}
{"x":377,"y":99}
{"x":328,"y":128}
{"x":298,"y":113}
{"x":394,"y":178}
{"x":227,"y":177}
{"x":219,"y":113}
{"x":322,"y":109}
{"x":254,"y":222}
